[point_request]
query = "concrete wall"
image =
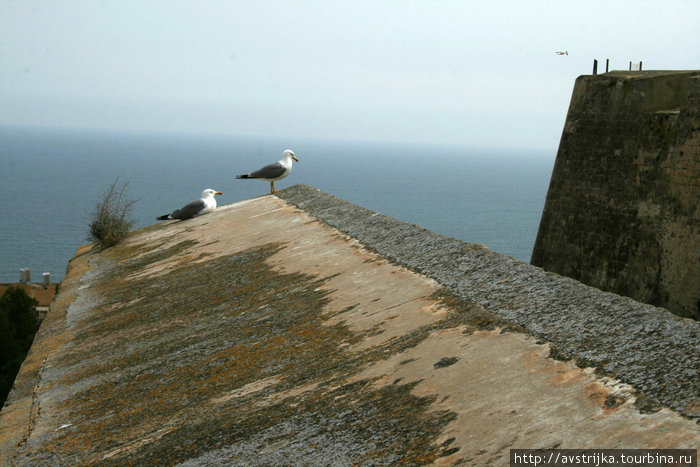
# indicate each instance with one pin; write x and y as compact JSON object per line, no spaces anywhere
{"x":622,"y":208}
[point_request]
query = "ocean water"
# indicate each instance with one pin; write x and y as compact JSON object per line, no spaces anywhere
{"x":51,"y":180}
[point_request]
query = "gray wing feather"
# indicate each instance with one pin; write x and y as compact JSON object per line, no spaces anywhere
{"x":188,"y":211}
{"x":269,"y":171}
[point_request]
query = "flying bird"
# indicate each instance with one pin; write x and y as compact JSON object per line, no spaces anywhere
{"x":207,"y":203}
{"x":275,"y":171}
{"x":566,"y":52}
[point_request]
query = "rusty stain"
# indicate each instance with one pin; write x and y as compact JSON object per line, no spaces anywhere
{"x":694,"y":407}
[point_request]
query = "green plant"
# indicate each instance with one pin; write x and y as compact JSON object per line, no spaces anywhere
{"x":18,"y":324}
{"x":110,"y":221}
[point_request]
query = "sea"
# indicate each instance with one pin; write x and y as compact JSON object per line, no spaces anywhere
{"x":51,"y":181}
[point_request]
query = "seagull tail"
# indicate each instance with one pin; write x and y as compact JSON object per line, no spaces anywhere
{"x":164,"y":218}
{"x":243,"y":176}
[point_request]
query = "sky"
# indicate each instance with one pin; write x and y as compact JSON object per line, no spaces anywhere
{"x":467,"y":73}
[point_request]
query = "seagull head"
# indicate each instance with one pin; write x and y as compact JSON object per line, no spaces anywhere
{"x":208,"y":193}
{"x":289,"y":154}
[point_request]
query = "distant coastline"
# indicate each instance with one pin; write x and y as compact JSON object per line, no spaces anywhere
{"x":51,"y":180}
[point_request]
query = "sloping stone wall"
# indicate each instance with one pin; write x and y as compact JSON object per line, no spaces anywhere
{"x":260,"y":334}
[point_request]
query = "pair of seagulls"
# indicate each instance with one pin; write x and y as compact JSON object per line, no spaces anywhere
{"x":207,"y":203}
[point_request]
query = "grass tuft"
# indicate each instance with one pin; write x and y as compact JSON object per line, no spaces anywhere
{"x":111,"y":221}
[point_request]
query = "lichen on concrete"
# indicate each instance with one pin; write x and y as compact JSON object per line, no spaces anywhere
{"x":646,"y":346}
{"x":228,"y":333}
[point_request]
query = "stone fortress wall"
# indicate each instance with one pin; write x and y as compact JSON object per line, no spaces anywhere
{"x":623,"y":204}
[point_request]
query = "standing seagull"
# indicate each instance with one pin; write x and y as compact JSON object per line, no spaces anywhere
{"x":207,"y":203}
{"x":275,"y":171}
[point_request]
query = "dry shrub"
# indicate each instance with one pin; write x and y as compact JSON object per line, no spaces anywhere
{"x":111,"y":220}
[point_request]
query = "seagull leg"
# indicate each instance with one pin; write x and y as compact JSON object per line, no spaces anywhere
{"x":272,"y":186}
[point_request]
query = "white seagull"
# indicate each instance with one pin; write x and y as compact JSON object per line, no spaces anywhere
{"x":207,"y":203}
{"x":566,"y":52}
{"x":274,"y":171}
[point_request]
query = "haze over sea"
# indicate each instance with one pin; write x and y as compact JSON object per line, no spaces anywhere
{"x":51,"y":180}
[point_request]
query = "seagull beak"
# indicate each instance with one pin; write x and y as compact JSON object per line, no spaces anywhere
{"x":217,"y":193}
{"x":295,"y":158}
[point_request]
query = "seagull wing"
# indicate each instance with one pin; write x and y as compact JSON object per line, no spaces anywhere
{"x":189,"y":211}
{"x":269,"y":172}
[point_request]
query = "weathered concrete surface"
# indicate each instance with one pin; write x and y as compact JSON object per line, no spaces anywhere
{"x":623,"y":203}
{"x":648,"y":347}
{"x":259,"y":334}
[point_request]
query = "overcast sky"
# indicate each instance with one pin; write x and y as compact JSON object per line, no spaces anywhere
{"x":472,"y":73}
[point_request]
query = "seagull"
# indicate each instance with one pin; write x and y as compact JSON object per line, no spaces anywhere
{"x":274,"y":171}
{"x":566,"y":52}
{"x":207,"y":203}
